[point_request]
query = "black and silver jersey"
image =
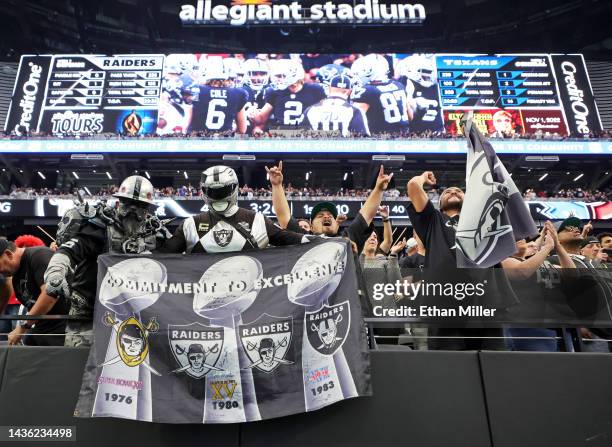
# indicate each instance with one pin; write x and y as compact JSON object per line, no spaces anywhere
{"x":201,"y":234}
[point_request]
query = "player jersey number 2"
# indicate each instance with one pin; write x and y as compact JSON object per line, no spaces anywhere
{"x":293,"y":113}
{"x":215,"y":117}
{"x":394,"y":106}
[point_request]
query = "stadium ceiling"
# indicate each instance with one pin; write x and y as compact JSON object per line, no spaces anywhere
{"x":527,"y":171}
{"x":145,"y":26}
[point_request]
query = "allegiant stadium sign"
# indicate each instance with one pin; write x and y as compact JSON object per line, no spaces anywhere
{"x":264,"y":12}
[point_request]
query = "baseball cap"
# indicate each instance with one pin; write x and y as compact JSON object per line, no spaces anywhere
{"x":411,"y":243}
{"x":4,"y":244}
{"x":340,"y":81}
{"x":324,"y":206}
{"x":589,"y":240}
{"x":570,"y":222}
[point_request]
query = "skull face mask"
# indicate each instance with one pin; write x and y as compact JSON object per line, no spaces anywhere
{"x":131,"y":214}
{"x":135,"y":202}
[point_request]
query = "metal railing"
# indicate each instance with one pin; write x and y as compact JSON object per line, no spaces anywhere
{"x":569,"y":340}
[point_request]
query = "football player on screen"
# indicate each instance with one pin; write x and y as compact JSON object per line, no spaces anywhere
{"x":218,"y":108}
{"x":383,"y":100}
{"x":235,"y":72}
{"x":289,"y":96}
{"x":178,"y":92}
{"x":256,"y":77}
{"x":336,"y":113}
{"x":324,"y":74}
{"x":418,"y":73}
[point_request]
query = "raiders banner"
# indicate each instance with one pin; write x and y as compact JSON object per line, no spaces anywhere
{"x":226,"y":338}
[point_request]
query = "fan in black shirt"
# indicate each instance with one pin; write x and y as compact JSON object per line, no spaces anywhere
{"x":27,"y":267}
{"x":435,"y":228}
{"x":417,"y":259}
{"x":437,"y":231}
{"x":323,"y":218}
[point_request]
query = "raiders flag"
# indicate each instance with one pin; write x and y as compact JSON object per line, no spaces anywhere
{"x":227,"y":338}
{"x":494,"y":215}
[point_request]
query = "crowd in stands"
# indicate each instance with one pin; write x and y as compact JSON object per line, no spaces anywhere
{"x":190,"y":191}
{"x":305,"y":134}
{"x":385,"y":257}
{"x":577,"y":194}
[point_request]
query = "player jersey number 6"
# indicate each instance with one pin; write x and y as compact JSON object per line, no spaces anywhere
{"x":394,"y":106}
{"x":214,"y":117}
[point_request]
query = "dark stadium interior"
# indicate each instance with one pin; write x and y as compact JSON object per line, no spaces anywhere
{"x":323,"y":172}
{"x":213,"y":201}
{"x":342,"y":177}
{"x":146,"y":26}
{"x":150,"y":26}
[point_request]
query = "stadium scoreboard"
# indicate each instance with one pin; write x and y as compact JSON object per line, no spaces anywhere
{"x":509,"y":95}
{"x":502,"y":81}
{"x":88,"y":94}
{"x":86,"y":82}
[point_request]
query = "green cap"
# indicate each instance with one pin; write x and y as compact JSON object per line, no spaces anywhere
{"x":324,"y":206}
{"x":570,"y":222}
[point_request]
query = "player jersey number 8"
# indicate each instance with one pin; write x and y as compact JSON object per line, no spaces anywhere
{"x":394,"y":106}
{"x":293,"y":113}
{"x":214,"y":117}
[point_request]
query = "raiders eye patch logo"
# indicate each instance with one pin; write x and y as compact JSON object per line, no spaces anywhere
{"x":328,"y":327}
{"x":196,"y":348}
{"x":223,"y":237}
{"x":267,"y":341}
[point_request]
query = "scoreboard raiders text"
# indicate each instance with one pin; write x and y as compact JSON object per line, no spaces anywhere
{"x":85,"y":94}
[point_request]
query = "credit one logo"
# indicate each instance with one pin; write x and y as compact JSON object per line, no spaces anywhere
{"x":27,"y":104}
{"x":579,"y":108}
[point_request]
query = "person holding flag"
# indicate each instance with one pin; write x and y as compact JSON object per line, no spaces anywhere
{"x":470,"y":230}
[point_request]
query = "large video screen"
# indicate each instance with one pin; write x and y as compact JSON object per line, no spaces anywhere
{"x":381,"y":96}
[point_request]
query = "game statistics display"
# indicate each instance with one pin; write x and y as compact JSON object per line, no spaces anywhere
{"x":506,"y":81}
{"x":510,"y":95}
{"x":87,"y":94}
{"x":517,"y":94}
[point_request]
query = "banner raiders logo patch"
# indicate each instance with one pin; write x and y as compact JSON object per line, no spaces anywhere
{"x":132,"y":340}
{"x":223,"y":237}
{"x":328,"y":327}
{"x":196,"y":348}
{"x":266,"y":341}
